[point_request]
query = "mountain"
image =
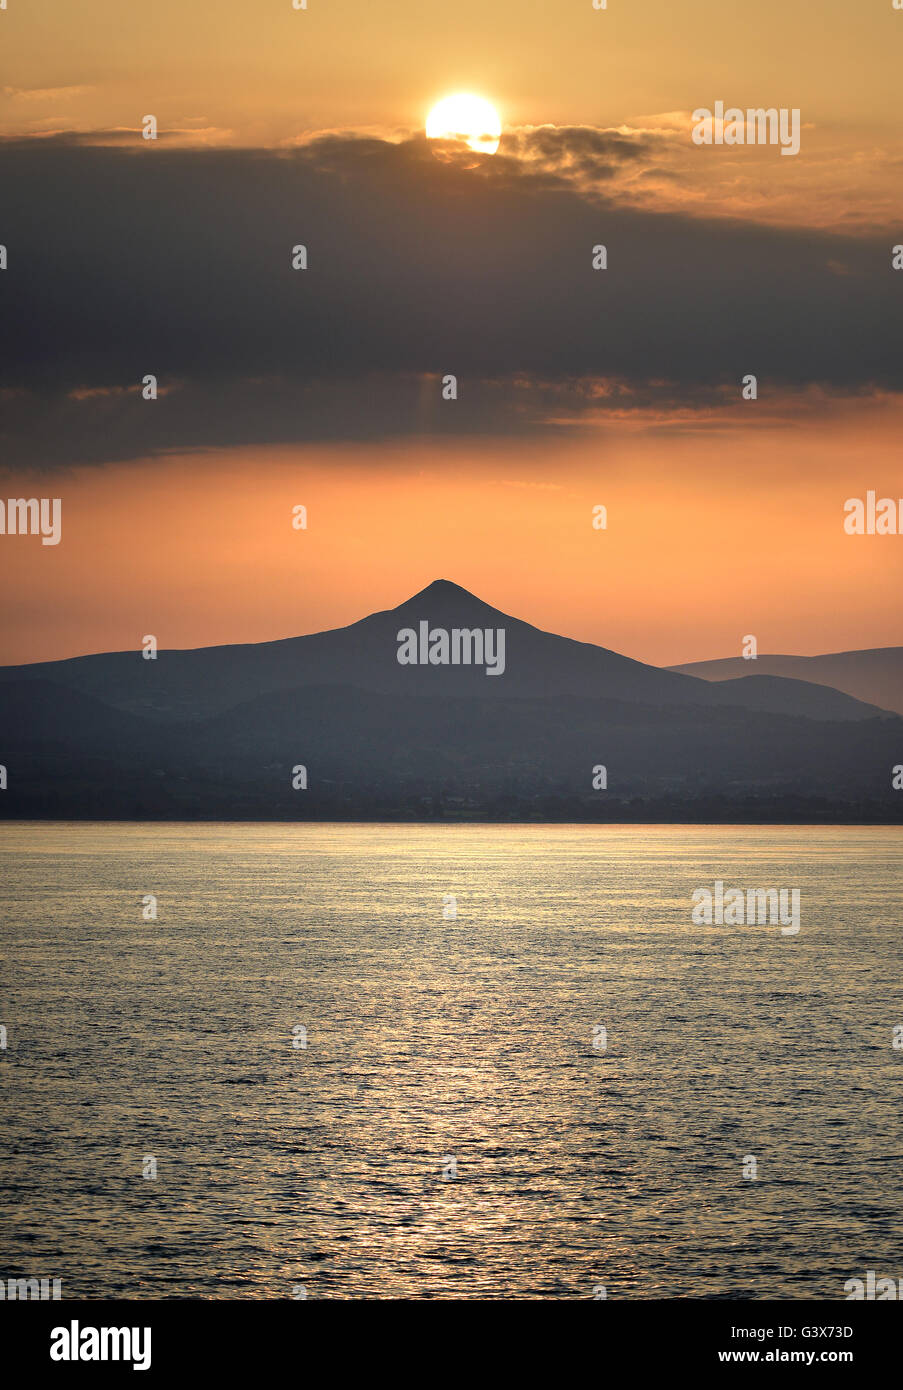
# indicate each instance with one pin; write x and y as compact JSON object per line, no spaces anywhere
{"x":199,"y":683}
{"x":220,"y":732}
{"x":875,"y":675}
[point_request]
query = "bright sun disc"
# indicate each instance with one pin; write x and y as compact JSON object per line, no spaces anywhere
{"x":471,"y":120}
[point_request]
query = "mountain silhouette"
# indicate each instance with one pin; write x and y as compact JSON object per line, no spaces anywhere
{"x":197,"y":683}
{"x":567,"y":730}
{"x":874,"y":675}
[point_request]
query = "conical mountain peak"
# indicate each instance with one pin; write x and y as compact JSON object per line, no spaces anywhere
{"x":443,"y":589}
{"x":446,"y":602}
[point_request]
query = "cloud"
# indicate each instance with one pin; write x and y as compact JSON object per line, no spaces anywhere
{"x":177,"y":262}
{"x":590,"y":153}
{"x":44,"y":93}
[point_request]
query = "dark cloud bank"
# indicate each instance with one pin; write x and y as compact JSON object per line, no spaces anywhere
{"x":177,"y":262}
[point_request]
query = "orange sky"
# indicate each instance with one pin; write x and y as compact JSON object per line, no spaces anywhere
{"x":718,"y":526}
{"x":244,"y":67}
{"x":712,"y":533}
{"x":225,"y":72}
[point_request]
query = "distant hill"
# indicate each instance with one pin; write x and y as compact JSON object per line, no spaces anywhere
{"x":195,"y":684}
{"x":874,"y":675}
{"x":216,"y":733}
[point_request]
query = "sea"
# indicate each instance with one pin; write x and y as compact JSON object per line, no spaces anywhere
{"x":448,"y":1061}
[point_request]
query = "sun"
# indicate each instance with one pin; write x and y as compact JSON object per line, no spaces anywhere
{"x":466,"y":119}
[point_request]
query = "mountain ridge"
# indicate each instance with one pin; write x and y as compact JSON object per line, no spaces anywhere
{"x":194,"y":683}
{"x":568,"y":730}
{"x":872,"y":674}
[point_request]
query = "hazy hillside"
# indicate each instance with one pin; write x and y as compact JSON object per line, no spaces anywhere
{"x":875,"y":675}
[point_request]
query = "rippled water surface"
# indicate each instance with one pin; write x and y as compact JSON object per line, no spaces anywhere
{"x":430,"y":1039}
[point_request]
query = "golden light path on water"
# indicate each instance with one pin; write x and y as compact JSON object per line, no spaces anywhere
{"x":430,"y":1039}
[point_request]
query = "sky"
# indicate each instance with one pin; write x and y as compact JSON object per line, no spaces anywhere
{"x":577,"y":387}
